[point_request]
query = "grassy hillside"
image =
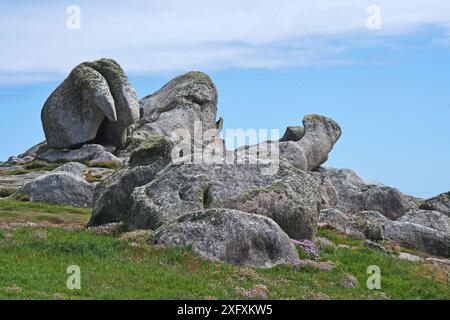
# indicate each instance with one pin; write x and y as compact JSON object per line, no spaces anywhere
{"x":33,"y":263}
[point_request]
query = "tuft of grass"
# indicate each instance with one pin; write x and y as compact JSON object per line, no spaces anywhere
{"x":33,"y":166}
{"x":104,"y":164}
{"x":18,"y":206}
{"x":6,"y":192}
{"x":338,"y":237}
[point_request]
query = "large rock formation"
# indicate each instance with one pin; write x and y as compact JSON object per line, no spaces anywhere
{"x":96,"y":101}
{"x":290,"y":198}
{"x":237,"y":206}
{"x":230,"y":236}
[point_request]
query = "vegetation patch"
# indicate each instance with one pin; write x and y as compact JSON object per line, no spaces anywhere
{"x":6,"y":192}
{"x":114,"y":268}
{"x":103,"y":164}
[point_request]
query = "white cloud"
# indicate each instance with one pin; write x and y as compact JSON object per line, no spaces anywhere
{"x":177,"y":35}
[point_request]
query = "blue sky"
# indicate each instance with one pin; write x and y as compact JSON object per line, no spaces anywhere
{"x":389,"y":89}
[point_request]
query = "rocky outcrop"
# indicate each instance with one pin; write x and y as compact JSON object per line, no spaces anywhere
{"x":58,"y":188}
{"x":315,"y":142}
{"x":229,"y":236}
{"x":291,"y":197}
{"x":439,"y":203}
{"x":180,"y":104}
{"x":96,"y":101}
{"x":356,"y":195}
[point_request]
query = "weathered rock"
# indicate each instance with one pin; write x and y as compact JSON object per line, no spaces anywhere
{"x":445,"y":262}
{"x":59,"y":188}
{"x":125,"y":100}
{"x":439,"y":203}
{"x":376,"y":246}
{"x":293,"y":133}
{"x":34,"y":150}
{"x":94,"y":93}
{"x":75,"y":168}
{"x":229,"y":236}
{"x":308,"y":153}
{"x":329,"y":196}
{"x":419,"y":229}
{"x":356,"y":195}
{"x":388,"y":201}
{"x":340,"y":222}
{"x":349,"y":281}
{"x":372,"y":230}
{"x":412,"y":235}
{"x":15,"y":182}
{"x":370,"y":216}
{"x":409,"y":257}
{"x":431,"y":219}
{"x":187,"y":99}
{"x":290,"y":197}
{"x":93,"y":153}
{"x":112,"y":195}
{"x":154,"y":149}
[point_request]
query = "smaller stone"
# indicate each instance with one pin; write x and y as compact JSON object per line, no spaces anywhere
{"x":409,"y":257}
{"x":320,"y":265}
{"x":74,"y":168}
{"x":258,"y":291}
{"x":375,"y":246}
{"x":438,"y":261}
{"x":293,"y":133}
{"x":349,"y":281}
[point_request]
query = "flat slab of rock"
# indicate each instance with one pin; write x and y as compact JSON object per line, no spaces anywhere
{"x":93,"y":153}
{"x":59,"y":188}
{"x":229,"y":236}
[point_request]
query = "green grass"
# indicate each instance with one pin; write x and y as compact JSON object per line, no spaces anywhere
{"x":19,"y":211}
{"x":33,"y":264}
{"x":33,"y":166}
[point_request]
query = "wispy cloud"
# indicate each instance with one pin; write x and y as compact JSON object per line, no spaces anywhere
{"x":177,"y":35}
